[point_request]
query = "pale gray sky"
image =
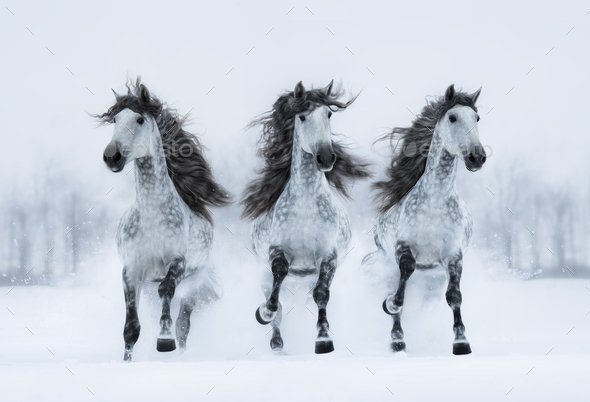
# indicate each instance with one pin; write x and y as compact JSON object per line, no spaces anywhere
{"x":249,"y":51}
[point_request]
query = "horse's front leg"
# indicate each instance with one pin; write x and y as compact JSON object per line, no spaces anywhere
{"x":454,"y":299}
{"x":166,"y":342}
{"x":132,"y":288}
{"x":321,"y":295}
{"x":394,"y":303}
{"x":280,"y":268}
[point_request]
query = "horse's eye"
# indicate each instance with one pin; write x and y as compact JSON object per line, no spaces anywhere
{"x":329,"y":114}
{"x":302,"y":118}
{"x":140,"y":120}
{"x":452,"y":119}
{"x":477,"y":118}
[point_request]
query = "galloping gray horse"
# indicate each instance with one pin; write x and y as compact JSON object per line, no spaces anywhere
{"x":422,"y":222}
{"x":300,"y":226}
{"x":166,"y":235}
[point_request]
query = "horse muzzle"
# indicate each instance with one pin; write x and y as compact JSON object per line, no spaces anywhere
{"x":113,"y":158}
{"x":475,"y":159}
{"x":325,"y":159}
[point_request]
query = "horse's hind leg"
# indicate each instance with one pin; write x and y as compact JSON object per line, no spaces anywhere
{"x":394,"y":303}
{"x":280,"y":268}
{"x":183,"y":322}
{"x":321,"y":295}
{"x":166,"y":291}
{"x":455,"y":267}
{"x":132,"y":289}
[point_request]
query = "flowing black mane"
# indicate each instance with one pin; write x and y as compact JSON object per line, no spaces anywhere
{"x":407,"y":167}
{"x":276,"y":147}
{"x":187,"y":167}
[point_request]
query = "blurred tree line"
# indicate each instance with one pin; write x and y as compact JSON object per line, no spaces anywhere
{"x":50,"y":227}
{"x":527,"y":226}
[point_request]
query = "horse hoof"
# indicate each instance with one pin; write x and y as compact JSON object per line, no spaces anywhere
{"x":390,"y":310}
{"x":322,"y":347}
{"x":127,"y":357}
{"x":266,"y":317}
{"x":165,"y":345}
{"x":398,"y":346}
{"x":461,"y":348}
{"x":279,"y":351}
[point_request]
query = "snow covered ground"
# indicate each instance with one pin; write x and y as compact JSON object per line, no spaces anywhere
{"x":531,"y":341}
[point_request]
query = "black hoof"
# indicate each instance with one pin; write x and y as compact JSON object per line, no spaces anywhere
{"x":127,"y":357}
{"x":461,"y":348}
{"x":385,"y":307}
{"x":322,"y":347}
{"x":165,"y":345}
{"x":398,"y":346}
{"x":260,"y":319}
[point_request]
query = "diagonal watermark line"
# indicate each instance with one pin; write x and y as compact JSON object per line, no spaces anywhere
{"x":29,"y":330}
{"x":569,"y":31}
{"x":229,"y":371}
{"x":9,"y":310}
{"x":49,"y":350}
{"x":110,"y":190}
{"x":549,"y":51}
{"x":69,"y":71}
{"x":9,"y":291}
{"x":369,"y":370}
{"x":490,"y":190}
{"x":69,"y":370}
{"x":570,"y":330}
{"x":349,"y":351}
{"x":533,"y":233}
{"x":290,"y":10}
{"x":90,"y":390}
{"x":49,"y":50}
{"x":89,"y":210}
{"x":250,"y":351}
{"x":269,"y":31}
{"x":209,"y":91}
{"x":30,"y":31}
{"x":290,"y":310}
{"x":250,"y":51}
{"x":510,"y":210}
{"x":229,"y":71}
{"x":229,"y":230}
{"x":390,"y":91}
{"x":50,"y":250}
{"x":509,"y":91}
{"x":349,"y":50}
{"x":310,"y":310}
{"x":490,"y":110}
{"x":530,"y":71}
{"x":249,"y":249}
{"x":389,"y":391}
{"x":369,"y":70}
{"x":90,"y":91}
{"x":549,"y":351}
{"x":210,"y":390}
{"x":549,"y":250}
{"x":310,"y":11}
{"x":330,"y":31}
{"x":509,"y":391}
{"x":9,"y":10}
{"x":530,"y":371}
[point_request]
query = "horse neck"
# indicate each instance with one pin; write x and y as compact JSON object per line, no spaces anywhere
{"x":441,"y":168}
{"x":304,"y":173}
{"x":153,"y":185}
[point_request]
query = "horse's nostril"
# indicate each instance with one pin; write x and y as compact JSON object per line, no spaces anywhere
{"x":117,"y":157}
{"x":483,"y":160}
{"x":319,"y":159}
{"x":472,"y":158}
{"x":333,"y":158}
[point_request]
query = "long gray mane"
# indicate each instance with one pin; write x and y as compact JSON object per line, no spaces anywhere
{"x":187,"y":167}
{"x":276,"y":147}
{"x":407,"y":163}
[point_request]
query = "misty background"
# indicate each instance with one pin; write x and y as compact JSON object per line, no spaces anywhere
{"x":226,"y":62}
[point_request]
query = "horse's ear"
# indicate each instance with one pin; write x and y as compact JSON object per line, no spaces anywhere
{"x":476,"y":95}
{"x":450,"y":93}
{"x":328,"y":90}
{"x":144,"y":94}
{"x":117,"y":96}
{"x":299,"y":90}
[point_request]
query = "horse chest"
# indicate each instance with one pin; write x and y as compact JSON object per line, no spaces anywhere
{"x":306,"y":224}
